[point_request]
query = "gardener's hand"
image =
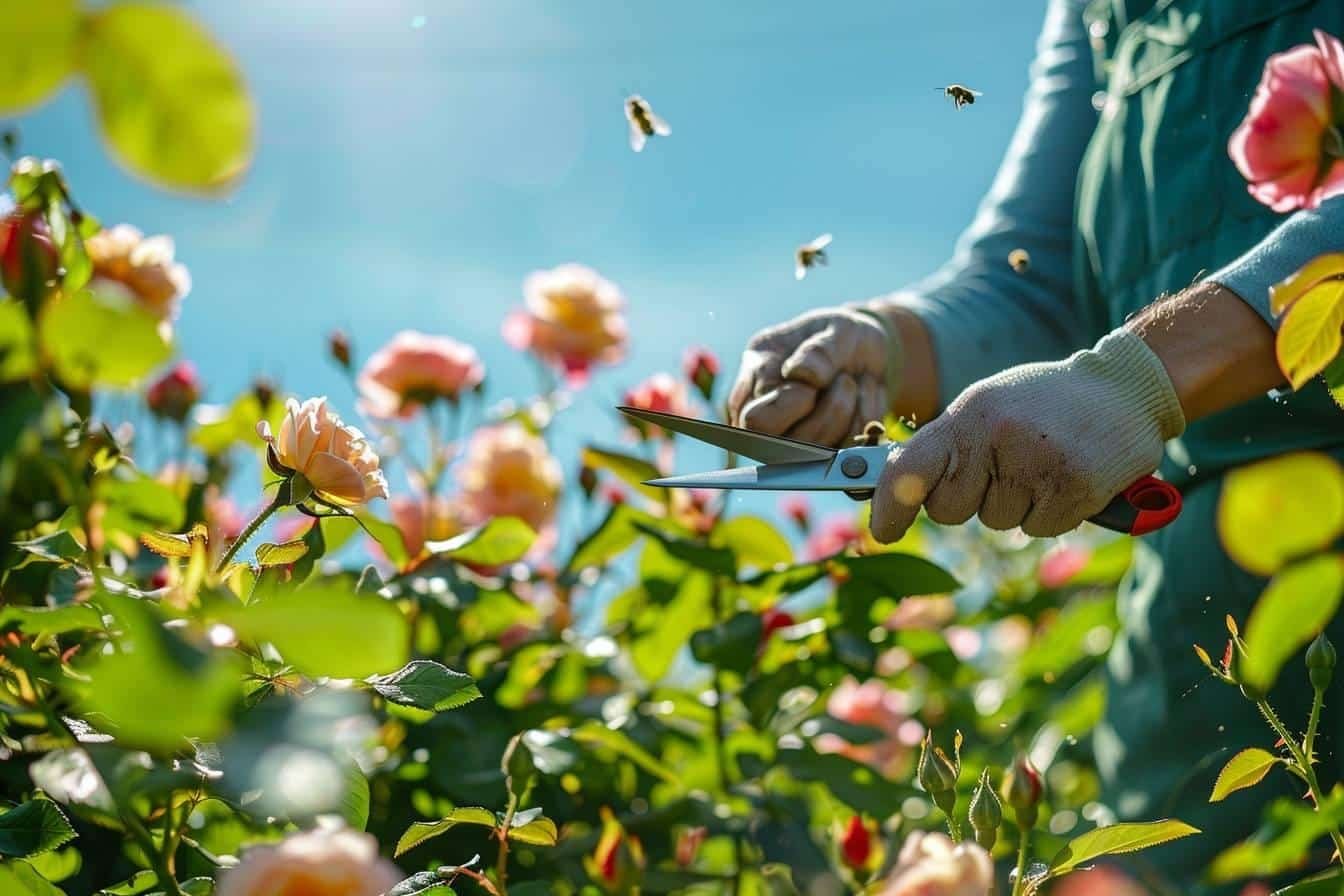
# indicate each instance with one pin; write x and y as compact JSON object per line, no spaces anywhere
{"x":819,"y":377}
{"x":1043,"y":446}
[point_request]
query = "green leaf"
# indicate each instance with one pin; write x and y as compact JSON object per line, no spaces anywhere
{"x":101,"y":341}
{"x":281,"y":554}
{"x":17,"y":359}
{"x":1327,"y":883}
{"x":599,"y":738}
{"x":171,"y":102}
{"x":633,"y":471}
{"x":58,"y":865}
{"x":428,"y":685}
{"x":326,"y":629}
{"x":192,"y":692}
{"x":1274,"y":511}
{"x":138,"y":882}
{"x":21,"y":879}
{"x":34,"y":827}
{"x":717,"y":561}
{"x":425,"y":883}
{"x":613,"y":536}
{"x":137,"y":504}
{"x":58,"y":547}
{"x":355,"y":801}
{"x":731,"y":644}
{"x":504,"y":539}
{"x":668,"y":629}
{"x":753,"y":541}
{"x":1117,"y":839}
{"x":172,"y":544}
{"x":40,"y":41}
{"x":218,"y":429}
{"x":537,"y":831}
{"x":387,"y":535}
{"x":1334,"y":379}
{"x":1289,"y":831}
{"x":1292,"y":610}
{"x":421,"y":831}
{"x":1246,"y":769}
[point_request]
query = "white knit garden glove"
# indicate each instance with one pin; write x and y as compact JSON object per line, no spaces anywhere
{"x":1043,"y":446}
{"x":819,"y":377}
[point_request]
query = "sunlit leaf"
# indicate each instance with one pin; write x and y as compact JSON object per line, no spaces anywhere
{"x":421,"y":831}
{"x":171,"y":101}
{"x":58,"y":547}
{"x":387,"y":535}
{"x":1309,"y":335}
{"x":1327,"y":883}
{"x":40,"y":41}
{"x":355,"y":799}
{"x":427,"y":685}
{"x":1275,"y":510}
{"x":633,"y":471}
{"x":656,"y":646}
{"x":1288,"y":832}
{"x":21,"y":879}
{"x":718,"y":561}
{"x":754,"y":542}
{"x":281,"y":554}
{"x":171,"y":544}
{"x":91,"y":340}
{"x":424,"y":883}
{"x":1117,"y":839}
{"x":17,"y":358}
{"x":1324,"y":267}
{"x":611,"y":538}
{"x":537,"y":831}
{"x":34,"y":827}
{"x":1334,"y":379}
{"x":504,"y":539}
{"x":597,"y":737}
{"x":1297,"y":604}
{"x":1246,"y":769}
{"x":137,"y":503}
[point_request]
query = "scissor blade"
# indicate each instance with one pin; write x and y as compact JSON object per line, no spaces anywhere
{"x":805,"y":476}
{"x":754,"y":445}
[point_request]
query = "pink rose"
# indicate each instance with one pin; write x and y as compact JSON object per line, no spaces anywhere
{"x":336,"y":459}
{"x":1104,"y":880}
{"x":871,"y":705}
{"x":415,"y":369}
{"x":835,"y":534}
{"x":172,"y":395}
{"x":931,"y":865}
{"x":320,"y":862}
{"x":572,"y":320}
{"x":926,"y":612}
{"x":508,"y":471}
{"x":126,"y":261}
{"x":1290,"y":147}
{"x":28,"y":258}
{"x":663,"y":393}
{"x":423,"y":519}
{"x":797,"y":508}
{"x":1060,"y":564}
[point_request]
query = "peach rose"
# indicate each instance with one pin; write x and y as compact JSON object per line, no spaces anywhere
{"x":416,"y":369}
{"x":663,"y":393}
{"x":1290,"y":147}
{"x":931,"y":865}
{"x":320,"y":862}
{"x":572,"y":320}
{"x":125,"y":259}
{"x":1103,"y":880}
{"x":507,"y":471}
{"x":336,"y":459}
{"x":423,"y":519}
{"x":871,"y":705}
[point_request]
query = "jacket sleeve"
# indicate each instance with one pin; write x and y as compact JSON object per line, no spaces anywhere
{"x":982,"y":315}
{"x":1300,"y":238}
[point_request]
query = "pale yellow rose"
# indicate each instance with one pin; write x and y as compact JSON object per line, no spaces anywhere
{"x":336,"y":459}
{"x":320,"y":862}
{"x":124,"y":258}
{"x":930,"y":864}
{"x":508,"y":471}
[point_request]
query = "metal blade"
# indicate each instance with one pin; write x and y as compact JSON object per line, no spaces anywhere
{"x":753,"y":445}
{"x":806,"y":476}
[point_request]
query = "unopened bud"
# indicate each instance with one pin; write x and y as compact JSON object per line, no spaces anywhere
{"x":1321,"y":660}
{"x":856,"y":844}
{"x":28,"y":258}
{"x":1022,"y":791}
{"x":701,"y":369}
{"x":986,"y":812}
{"x":587,"y":480}
{"x":937,"y":773}
{"x":338,"y":346}
{"x":172,"y":395}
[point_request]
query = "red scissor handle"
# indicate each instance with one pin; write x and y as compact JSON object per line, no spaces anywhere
{"x":1147,"y":505}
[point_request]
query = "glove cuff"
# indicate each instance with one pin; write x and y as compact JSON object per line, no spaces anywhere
{"x":1127,"y":361}
{"x":895,"y":354}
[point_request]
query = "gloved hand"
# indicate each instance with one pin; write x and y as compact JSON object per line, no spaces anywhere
{"x":819,"y":377}
{"x":1043,"y":446}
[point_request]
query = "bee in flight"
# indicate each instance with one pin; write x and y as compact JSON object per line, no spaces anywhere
{"x":961,"y":95}
{"x":809,"y":255}
{"x":1019,"y":260}
{"x":643,"y":122}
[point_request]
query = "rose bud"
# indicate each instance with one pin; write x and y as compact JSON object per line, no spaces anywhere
{"x":797,"y":509}
{"x":986,"y":812}
{"x":587,"y":480}
{"x":28,"y":258}
{"x":688,"y":845}
{"x":172,"y":395}
{"x":1321,"y":662}
{"x":772,"y":620}
{"x":701,"y":369}
{"x":856,"y":844}
{"x":1022,"y":791}
{"x":338,"y":347}
{"x":937,"y":774}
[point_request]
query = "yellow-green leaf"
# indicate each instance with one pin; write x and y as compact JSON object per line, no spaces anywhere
{"x":281,"y":554}
{"x":753,"y":541}
{"x":633,"y":471}
{"x":1298,"y":603}
{"x":1309,"y":334}
{"x":1275,"y":510}
{"x":1117,"y":839}
{"x":1246,"y":769}
{"x":40,"y":40}
{"x":16,"y":342}
{"x":1282,"y":295}
{"x":169,"y":544}
{"x":502,"y":540}
{"x":421,"y":831}
{"x":536,"y":830}
{"x":171,"y":101}
{"x":103,"y":341}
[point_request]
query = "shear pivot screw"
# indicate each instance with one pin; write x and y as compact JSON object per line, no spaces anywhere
{"x":854,"y":466}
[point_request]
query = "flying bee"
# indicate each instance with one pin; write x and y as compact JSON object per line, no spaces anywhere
{"x":1019,"y":260}
{"x":961,"y":95}
{"x":809,"y":255}
{"x":643,"y":122}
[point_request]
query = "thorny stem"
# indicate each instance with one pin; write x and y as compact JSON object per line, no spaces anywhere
{"x":246,"y":534}
{"x":1304,"y":760}
{"x":502,"y":861}
{"x":1023,"y":841}
{"x":1309,"y":741}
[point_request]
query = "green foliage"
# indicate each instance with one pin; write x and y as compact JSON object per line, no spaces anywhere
{"x":107,"y":341}
{"x":1288,"y":832}
{"x":1298,"y":603}
{"x":1116,"y":839}
{"x":33,"y":828}
{"x":502,"y":540}
{"x":1246,"y":769}
{"x":428,"y":685}
{"x":40,"y":41}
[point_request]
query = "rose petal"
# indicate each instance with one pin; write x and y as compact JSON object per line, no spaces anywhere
{"x":336,"y":479}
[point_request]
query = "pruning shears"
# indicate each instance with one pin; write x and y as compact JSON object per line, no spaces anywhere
{"x":786,"y":464}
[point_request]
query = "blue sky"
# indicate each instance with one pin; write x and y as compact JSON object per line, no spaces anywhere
{"x":417,"y":158}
